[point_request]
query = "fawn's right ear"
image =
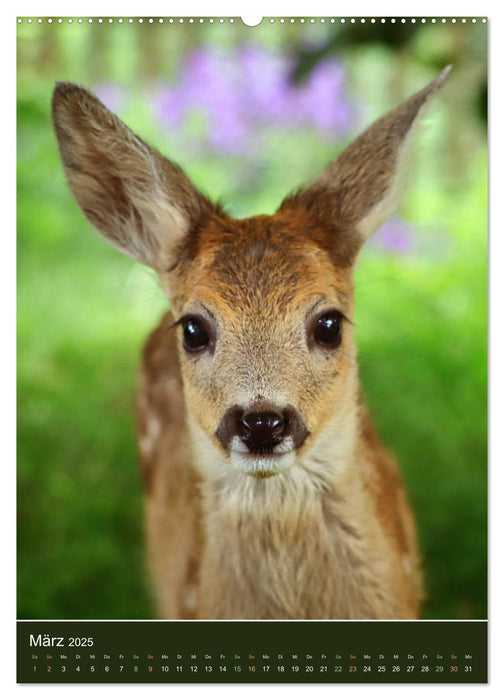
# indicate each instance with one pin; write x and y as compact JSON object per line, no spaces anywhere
{"x":138,"y":200}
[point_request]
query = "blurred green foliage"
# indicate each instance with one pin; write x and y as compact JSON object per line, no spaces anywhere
{"x":84,"y":310}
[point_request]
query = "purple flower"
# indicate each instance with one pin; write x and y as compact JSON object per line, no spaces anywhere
{"x":264,"y":75}
{"x":396,"y":235}
{"x":323,"y":102}
{"x":230,"y":133}
{"x":246,"y":92}
{"x":112,"y":96}
{"x":169,"y":106}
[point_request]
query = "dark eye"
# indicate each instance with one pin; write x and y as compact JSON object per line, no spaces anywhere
{"x":195,"y":333}
{"x":327,"y":330}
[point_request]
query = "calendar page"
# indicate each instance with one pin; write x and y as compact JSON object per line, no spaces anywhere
{"x":252,"y":410}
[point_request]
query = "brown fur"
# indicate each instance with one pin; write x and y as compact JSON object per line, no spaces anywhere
{"x":330,"y":534}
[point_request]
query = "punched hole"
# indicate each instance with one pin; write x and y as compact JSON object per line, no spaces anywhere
{"x":251,"y":21}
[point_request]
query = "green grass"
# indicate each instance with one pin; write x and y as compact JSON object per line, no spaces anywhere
{"x":423,"y":371}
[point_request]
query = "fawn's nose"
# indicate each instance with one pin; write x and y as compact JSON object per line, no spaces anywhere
{"x":261,"y":427}
{"x":261,"y":431}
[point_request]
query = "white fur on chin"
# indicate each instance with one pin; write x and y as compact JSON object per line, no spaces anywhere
{"x":262,"y":465}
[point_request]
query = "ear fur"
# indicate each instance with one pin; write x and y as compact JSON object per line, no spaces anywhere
{"x":362,"y":188}
{"x":138,"y":200}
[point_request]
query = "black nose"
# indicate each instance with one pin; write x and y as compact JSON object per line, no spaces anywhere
{"x":261,"y":431}
{"x":261,"y":426}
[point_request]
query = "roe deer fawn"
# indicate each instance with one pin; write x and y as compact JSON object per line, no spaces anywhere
{"x":268,"y":492}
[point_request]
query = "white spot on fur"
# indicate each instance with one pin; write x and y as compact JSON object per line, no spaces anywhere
{"x":406,"y":562}
{"x":190,"y":598}
{"x":149,"y":438}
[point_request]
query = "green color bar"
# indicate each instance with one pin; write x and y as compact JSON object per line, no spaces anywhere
{"x":252,"y":652}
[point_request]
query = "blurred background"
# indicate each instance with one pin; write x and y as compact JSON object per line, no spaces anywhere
{"x":250,"y":114}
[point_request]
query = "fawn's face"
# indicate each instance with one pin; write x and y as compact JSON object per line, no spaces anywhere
{"x":265,"y":338}
{"x":264,"y":305}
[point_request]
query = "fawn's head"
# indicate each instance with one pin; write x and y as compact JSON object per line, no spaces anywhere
{"x":263,"y":306}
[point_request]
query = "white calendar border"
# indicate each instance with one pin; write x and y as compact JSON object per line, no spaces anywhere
{"x":357,"y":8}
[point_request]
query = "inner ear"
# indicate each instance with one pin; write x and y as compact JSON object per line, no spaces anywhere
{"x":141,"y":202}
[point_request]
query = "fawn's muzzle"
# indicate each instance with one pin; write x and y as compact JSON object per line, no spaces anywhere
{"x":262,"y":428}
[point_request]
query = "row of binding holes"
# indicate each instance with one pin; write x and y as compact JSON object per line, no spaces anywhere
{"x":131,"y":20}
{"x":231,"y":20}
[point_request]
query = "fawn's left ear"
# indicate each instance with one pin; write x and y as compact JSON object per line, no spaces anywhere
{"x":363,"y":187}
